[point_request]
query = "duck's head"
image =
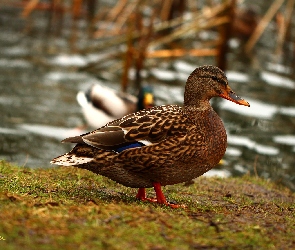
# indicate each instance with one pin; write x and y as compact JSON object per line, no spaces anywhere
{"x":206,"y":82}
{"x":145,"y":98}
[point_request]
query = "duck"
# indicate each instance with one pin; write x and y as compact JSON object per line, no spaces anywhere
{"x":101,"y":104}
{"x":160,"y":146}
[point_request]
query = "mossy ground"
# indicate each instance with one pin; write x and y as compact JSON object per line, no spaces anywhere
{"x":70,"y":208}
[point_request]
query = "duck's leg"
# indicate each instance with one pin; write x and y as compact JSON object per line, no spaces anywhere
{"x":141,"y":195}
{"x":160,"y":196}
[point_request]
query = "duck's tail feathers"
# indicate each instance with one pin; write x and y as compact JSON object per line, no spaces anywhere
{"x":70,"y":160}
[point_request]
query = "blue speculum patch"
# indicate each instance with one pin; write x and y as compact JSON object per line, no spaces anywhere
{"x":129,"y":145}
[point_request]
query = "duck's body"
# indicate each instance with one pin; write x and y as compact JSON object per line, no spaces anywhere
{"x":161,"y":146}
{"x":101,"y":104}
{"x":144,"y":165}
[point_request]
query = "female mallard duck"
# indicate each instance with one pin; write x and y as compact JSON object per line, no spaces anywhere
{"x":160,"y":146}
{"x":101,"y":104}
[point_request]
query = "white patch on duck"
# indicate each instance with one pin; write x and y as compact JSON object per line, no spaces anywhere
{"x":145,"y":142}
{"x":70,"y":160}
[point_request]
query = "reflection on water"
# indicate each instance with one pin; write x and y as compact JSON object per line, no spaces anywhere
{"x":258,"y":109}
{"x":277,"y":80}
{"x":38,"y":106}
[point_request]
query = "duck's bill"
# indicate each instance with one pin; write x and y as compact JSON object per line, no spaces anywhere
{"x":234,"y":98}
{"x":148,"y":100}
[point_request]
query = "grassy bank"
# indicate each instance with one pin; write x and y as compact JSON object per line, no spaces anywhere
{"x":69,"y":208}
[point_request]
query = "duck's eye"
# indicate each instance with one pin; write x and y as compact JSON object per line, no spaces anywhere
{"x":215,"y":78}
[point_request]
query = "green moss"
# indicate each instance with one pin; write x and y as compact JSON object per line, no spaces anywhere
{"x":66,"y":207}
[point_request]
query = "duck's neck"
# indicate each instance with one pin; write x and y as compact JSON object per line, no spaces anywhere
{"x":197,"y":111}
{"x":196,"y":95}
{"x":197,"y":106}
{"x":195,"y":102}
{"x":200,"y":113}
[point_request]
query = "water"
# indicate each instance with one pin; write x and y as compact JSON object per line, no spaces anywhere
{"x":38,"y":100}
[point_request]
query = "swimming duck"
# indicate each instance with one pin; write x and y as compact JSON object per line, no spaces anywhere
{"x":160,"y":146}
{"x":101,"y":104}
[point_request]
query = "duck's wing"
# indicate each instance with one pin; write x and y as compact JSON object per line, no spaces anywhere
{"x":143,"y":128}
{"x":137,"y":142}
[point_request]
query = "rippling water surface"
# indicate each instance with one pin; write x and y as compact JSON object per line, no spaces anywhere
{"x":38,"y":102}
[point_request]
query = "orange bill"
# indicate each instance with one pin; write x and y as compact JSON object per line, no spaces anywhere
{"x":232,"y":96}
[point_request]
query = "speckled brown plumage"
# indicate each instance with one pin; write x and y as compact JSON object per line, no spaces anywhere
{"x":163,"y":145}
